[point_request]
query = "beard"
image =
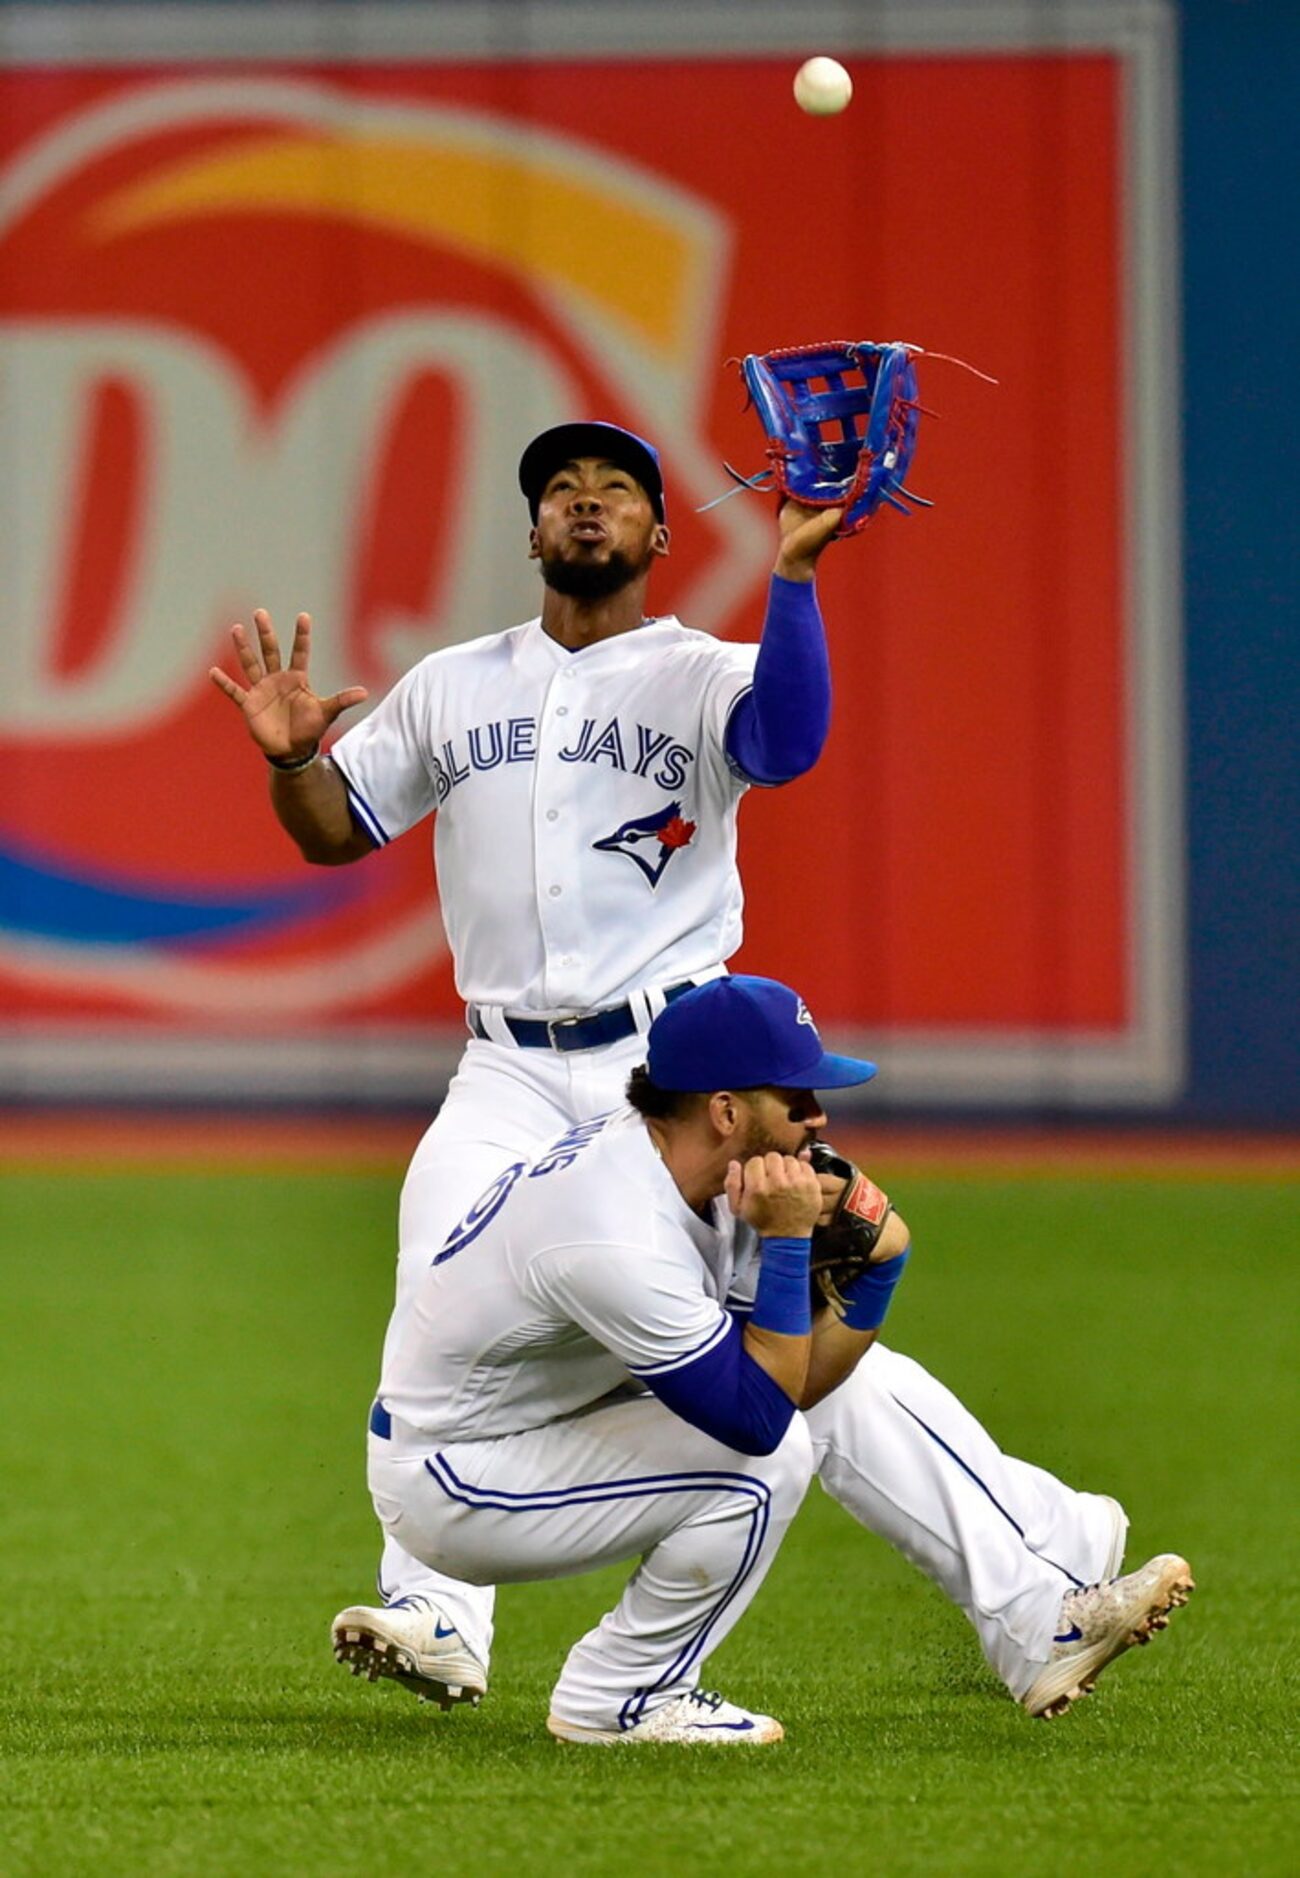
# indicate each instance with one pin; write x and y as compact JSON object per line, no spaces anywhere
{"x":592,"y":580}
{"x":758,"y":1140}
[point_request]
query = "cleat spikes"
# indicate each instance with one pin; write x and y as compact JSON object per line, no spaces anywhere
{"x":1108,"y":1619}
{"x":411,"y":1646}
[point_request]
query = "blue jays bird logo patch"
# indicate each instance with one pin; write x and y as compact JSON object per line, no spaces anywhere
{"x":651,"y":841}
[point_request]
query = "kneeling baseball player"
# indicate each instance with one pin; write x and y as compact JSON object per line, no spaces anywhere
{"x":605,"y":1361}
{"x":569,"y":1388}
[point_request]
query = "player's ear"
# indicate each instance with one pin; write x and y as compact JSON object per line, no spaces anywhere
{"x":660,"y":539}
{"x":724,"y":1113}
{"x":534,"y":545}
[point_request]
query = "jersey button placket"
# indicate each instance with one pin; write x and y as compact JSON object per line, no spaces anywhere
{"x":559,"y":895}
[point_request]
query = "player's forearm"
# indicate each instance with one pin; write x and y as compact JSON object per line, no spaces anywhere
{"x":835,"y":1353}
{"x":843,"y":1335}
{"x":311,"y":806}
{"x":778,"y":729}
{"x":783,"y":1358}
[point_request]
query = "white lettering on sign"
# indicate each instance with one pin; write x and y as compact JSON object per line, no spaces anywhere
{"x":238,"y":508}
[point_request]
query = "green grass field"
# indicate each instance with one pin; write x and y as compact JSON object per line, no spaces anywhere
{"x":188,"y":1361}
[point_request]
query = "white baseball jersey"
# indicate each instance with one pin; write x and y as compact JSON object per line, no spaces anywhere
{"x":585,"y":839}
{"x":573,"y":1273}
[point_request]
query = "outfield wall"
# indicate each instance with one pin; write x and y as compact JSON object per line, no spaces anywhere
{"x":285,"y":290}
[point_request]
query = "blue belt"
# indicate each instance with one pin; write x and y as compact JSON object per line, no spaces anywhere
{"x":572,"y":1033}
{"x":381,"y":1422}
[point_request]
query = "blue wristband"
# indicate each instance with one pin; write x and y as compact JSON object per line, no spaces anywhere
{"x":782,"y":1301}
{"x":868,"y":1297}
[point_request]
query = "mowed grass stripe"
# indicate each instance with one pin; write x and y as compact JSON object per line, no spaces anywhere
{"x":188,"y":1362}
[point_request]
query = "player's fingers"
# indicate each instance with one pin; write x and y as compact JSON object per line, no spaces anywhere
{"x":809,"y":1179}
{"x":223,"y":682}
{"x":756,"y":1180}
{"x":301,"y":651}
{"x":343,"y":701}
{"x":782,"y":1170}
{"x":267,"y":640}
{"x":734,"y":1185}
{"x":246,"y":654}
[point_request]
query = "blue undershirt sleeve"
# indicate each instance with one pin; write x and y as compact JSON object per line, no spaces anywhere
{"x":777,"y":729}
{"x":729,"y":1396}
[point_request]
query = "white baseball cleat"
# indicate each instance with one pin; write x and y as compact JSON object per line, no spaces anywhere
{"x":698,"y":1718}
{"x":409,"y":1641}
{"x":1102,"y":1621}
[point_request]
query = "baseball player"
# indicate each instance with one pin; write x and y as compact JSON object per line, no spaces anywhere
{"x":568,"y":1388}
{"x":586,"y":769}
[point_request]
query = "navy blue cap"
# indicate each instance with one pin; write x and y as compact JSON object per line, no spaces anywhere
{"x":567,"y":442}
{"x":745,"y":1033}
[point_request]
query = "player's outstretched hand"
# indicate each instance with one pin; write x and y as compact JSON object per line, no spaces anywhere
{"x":779,"y":1195}
{"x":804,"y":533}
{"x":285,"y":718}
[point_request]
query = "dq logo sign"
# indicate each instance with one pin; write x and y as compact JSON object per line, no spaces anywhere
{"x":280,"y":343}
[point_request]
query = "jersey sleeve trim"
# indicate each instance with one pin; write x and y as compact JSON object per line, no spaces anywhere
{"x":361,"y":809}
{"x":733,"y":766}
{"x":729,"y":1396}
{"x":716,"y":1335}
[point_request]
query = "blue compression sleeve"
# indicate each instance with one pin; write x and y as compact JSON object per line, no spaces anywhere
{"x":777,"y":729}
{"x":729,"y":1396}
{"x":868,"y":1297}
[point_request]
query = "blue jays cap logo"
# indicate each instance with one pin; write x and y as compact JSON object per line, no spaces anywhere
{"x":651,"y":841}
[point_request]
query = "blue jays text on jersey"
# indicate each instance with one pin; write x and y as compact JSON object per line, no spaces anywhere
{"x":585,"y":828}
{"x":631,"y":748}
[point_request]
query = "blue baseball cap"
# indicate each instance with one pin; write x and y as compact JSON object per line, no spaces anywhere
{"x":745,"y":1033}
{"x":566,"y":442}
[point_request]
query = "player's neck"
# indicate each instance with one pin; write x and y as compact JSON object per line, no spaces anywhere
{"x":694,"y":1165}
{"x":576,"y":623}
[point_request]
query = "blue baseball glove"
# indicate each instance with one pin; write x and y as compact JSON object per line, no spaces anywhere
{"x":840,"y":422}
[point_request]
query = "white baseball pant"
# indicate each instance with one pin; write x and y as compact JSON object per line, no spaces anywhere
{"x":625,"y":1479}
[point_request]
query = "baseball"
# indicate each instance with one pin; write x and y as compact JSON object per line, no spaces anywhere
{"x":822,"y":87}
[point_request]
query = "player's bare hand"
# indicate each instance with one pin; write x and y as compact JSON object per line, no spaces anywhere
{"x":805,"y":533}
{"x":779,"y":1195}
{"x":285,"y":717}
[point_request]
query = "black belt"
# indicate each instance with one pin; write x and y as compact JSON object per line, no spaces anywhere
{"x":572,"y":1033}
